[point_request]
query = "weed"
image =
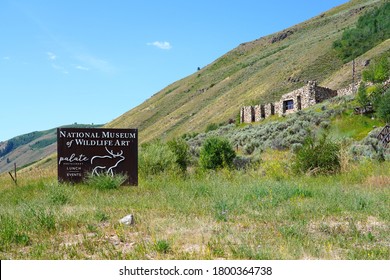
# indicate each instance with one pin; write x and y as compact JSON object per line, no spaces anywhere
{"x":162,"y":246}
{"x":91,"y":228}
{"x":373,"y":253}
{"x":106,"y":182}
{"x":41,"y":217}
{"x":141,"y":249}
{"x":216,"y":247}
{"x":11,"y":233}
{"x":101,"y":216}
{"x":221,"y":211}
{"x":370,"y":237}
{"x":202,"y":191}
{"x":361,"y":203}
{"x":291,"y":231}
{"x":247,"y":252}
{"x":58,"y":195}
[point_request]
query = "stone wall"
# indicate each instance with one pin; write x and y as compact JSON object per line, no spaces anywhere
{"x":269,"y":110}
{"x":353,"y":88}
{"x":276,"y":107}
{"x":291,"y":96}
{"x":322,"y":93}
{"x":301,"y":98}
{"x":246,"y":114}
{"x":304,"y":97}
{"x":259,"y":112}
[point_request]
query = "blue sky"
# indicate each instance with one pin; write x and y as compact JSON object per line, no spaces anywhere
{"x":88,"y":61}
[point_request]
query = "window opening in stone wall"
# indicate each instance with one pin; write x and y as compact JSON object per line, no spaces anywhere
{"x":288,"y":105}
{"x":253,"y":114}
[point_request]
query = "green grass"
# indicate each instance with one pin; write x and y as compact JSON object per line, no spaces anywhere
{"x":353,"y":126}
{"x":204,"y":215}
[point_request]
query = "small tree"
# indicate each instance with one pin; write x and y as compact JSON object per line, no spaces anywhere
{"x":378,"y":71}
{"x":155,"y":158}
{"x":215,"y":153}
{"x":383,"y":108}
{"x":362,"y":97}
{"x":181,"y":150}
{"x":317,"y":157}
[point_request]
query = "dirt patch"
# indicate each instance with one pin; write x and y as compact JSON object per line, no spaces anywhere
{"x":380,"y":181}
{"x":281,"y":36}
{"x":334,"y":226}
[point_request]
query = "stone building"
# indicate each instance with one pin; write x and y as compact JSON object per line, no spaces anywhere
{"x":291,"y":102}
{"x":304,"y":97}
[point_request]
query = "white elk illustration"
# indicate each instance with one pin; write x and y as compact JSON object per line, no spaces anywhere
{"x":108,"y":163}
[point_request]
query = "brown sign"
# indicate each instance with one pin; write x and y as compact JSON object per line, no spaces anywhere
{"x":97,"y":151}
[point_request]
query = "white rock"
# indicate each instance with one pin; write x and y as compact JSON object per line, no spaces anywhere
{"x":127,"y":220}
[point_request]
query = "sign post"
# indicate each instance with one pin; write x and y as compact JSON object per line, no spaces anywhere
{"x":97,"y":151}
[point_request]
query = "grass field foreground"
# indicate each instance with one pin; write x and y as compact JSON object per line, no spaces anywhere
{"x":257,"y":214}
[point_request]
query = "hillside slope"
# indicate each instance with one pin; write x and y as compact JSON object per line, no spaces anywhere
{"x":255,"y":72}
{"x":28,"y":148}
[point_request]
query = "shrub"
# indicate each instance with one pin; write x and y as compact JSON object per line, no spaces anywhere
{"x":378,"y":71}
{"x":215,"y":153}
{"x":242,"y":163}
{"x":317,"y":157}
{"x":105,"y":181}
{"x":249,"y":148}
{"x":211,"y":127}
{"x":369,"y":148}
{"x":155,"y":158}
{"x":362,"y":97}
{"x":383,"y":107}
{"x":181,"y":150}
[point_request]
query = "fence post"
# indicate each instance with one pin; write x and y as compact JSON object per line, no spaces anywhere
{"x":14,"y":178}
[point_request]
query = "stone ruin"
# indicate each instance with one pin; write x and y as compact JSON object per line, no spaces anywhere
{"x":291,"y":102}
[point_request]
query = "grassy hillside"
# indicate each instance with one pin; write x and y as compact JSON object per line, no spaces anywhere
{"x":255,"y":72}
{"x":27,"y":148}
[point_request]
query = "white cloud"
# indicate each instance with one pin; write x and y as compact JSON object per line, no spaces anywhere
{"x":161,"y":45}
{"x":51,"y":56}
{"x":6,"y":58}
{"x":59,"y":68}
{"x":83,"y":68}
{"x":94,"y":63}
